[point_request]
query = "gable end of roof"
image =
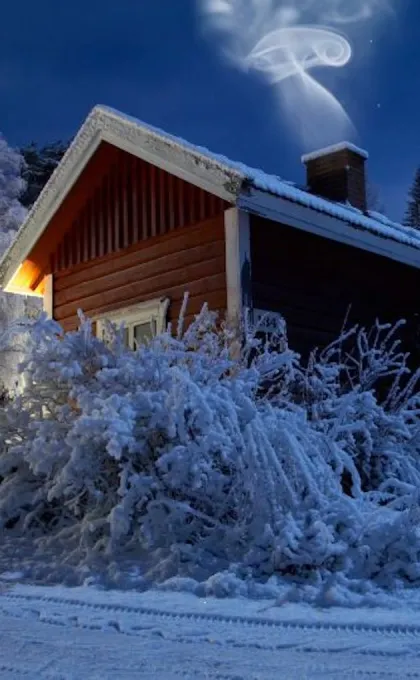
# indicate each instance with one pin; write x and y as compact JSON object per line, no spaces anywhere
{"x":150,"y":144}
{"x":175,"y":155}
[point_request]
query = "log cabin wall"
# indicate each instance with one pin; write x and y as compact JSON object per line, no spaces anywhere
{"x":139,"y":233}
{"x":312,"y":281}
{"x":189,"y":259}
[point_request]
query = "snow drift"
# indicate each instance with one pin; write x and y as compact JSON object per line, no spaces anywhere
{"x":201,"y":457}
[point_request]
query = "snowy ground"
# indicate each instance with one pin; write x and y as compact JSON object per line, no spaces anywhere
{"x":75,"y":633}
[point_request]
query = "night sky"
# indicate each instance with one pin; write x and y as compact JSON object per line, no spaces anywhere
{"x":151,"y":59}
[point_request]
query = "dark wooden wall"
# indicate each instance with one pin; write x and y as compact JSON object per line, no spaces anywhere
{"x":312,"y":281}
{"x":187,"y":259}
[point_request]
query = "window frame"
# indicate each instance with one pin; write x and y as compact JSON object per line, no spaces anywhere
{"x":135,"y":315}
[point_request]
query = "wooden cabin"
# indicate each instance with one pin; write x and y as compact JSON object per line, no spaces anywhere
{"x":133,"y":218}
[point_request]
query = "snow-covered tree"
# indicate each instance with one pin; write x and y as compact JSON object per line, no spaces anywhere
{"x":40,"y":163}
{"x":412,"y":214}
{"x":12,"y":185}
{"x":12,"y":213}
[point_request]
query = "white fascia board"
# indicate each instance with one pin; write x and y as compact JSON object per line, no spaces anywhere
{"x":179,"y":162}
{"x":307,"y":219}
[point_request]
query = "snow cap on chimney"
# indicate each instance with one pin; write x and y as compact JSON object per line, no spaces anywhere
{"x":338,"y":173}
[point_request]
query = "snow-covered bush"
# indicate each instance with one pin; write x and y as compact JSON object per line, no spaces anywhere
{"x":198,"y":455}
{"x":362,"y":395}
{"x":134,"y":441}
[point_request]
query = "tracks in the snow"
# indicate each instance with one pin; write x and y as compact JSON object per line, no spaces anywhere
{"x":231,"y":647}
{"x":391,"y":629}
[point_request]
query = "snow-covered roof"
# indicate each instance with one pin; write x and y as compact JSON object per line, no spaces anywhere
{"x":371,"y":221}
{"x":232,"y":181}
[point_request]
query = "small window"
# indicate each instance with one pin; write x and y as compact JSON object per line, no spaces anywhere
{"x":141,"y":322}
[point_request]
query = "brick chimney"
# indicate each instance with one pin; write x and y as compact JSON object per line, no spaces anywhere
{"x":338,"y":173}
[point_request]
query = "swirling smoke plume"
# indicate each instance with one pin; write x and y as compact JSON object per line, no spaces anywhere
{"x":285,"y":40}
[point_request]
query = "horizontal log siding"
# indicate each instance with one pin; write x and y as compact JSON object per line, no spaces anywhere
{"x":185,"y":259}
{"x":312,"y":281}
{"x":129,"y":201}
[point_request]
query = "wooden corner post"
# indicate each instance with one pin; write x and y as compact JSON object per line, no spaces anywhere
{"x":48,"y":296}
{"x":238,"y":264}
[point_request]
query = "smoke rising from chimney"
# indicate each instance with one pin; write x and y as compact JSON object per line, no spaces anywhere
{"x":285,"y":40}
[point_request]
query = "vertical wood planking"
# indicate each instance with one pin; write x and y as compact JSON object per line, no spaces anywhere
{"x":133,"y":201}
{"x":70,"y":246}
{"x":85,"y":235}
{"x":144,"y":192}
{"x":66,"y":251}
{"x":91,"y":226}
{"x":202,"y":203}
{"x":76,"y":241}
{"x":115,"y":202}
{"x":104,"y":213}
{"x":101,"y":221}
{"x":135,"y":198}
{"x":110,"y":212}
{"x":190,"y":204}
{"x":151,"y":200}
{"x":63,"y":253}
{"x":213,"y":204}
{"x":181,"y":204}
{"x":162,"y":202}
{"x":124,"y":199}
{"x":60,"y":256}
{"x":170,"y":203}
{"x":97,"y":207}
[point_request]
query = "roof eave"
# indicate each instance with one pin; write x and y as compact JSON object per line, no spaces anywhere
{"x":291,"y":213}
{"x":170,"y":154}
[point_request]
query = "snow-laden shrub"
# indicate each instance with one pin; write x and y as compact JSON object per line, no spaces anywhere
{"x":361,"y":393}
{"x":130,"y":442}
{"x":200,"y":454}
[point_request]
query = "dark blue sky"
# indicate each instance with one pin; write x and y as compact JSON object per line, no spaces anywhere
{"x":149,"y":58}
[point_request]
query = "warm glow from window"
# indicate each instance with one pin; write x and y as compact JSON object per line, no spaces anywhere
{"x":23,"y":280}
